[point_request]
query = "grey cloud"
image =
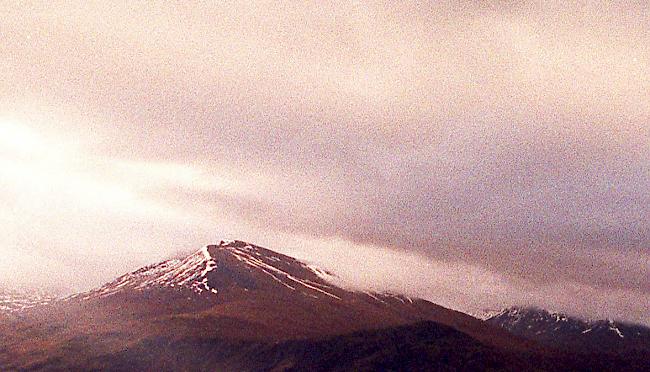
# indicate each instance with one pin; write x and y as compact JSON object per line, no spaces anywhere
{"x":512,"y":137}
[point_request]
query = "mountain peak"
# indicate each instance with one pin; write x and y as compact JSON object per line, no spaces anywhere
{"x":231,"y":265}
{"x":230,"y":243}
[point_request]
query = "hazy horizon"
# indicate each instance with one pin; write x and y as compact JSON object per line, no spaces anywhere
{"x":476,"y":155}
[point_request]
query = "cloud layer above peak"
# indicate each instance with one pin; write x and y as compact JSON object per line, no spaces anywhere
{"x":504,"y":141}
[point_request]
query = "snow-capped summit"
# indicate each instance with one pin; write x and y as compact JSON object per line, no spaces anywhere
{"x":560,"y":329}
{"x":223,"y":267}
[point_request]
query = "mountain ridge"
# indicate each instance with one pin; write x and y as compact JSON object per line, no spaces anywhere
{"x":217,"y":307}
{"x":560,"y":330}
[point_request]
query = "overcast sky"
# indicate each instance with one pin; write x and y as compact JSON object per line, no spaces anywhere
{"x":477,"y":154}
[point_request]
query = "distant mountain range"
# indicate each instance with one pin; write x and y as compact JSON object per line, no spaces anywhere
{"x":560,"y":330}
{"x":237,"y":306}
{"x":18,"y":300}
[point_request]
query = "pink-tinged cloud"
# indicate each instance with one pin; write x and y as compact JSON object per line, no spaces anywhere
{"x":508,"y":144}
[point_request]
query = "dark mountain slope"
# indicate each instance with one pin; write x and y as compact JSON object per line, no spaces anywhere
{"x":419,"y":346}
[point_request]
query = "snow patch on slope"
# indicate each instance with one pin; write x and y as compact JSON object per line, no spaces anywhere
{"x":277,"y":274}
{"x":11,"y":302}
{"x":190,"y":272}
